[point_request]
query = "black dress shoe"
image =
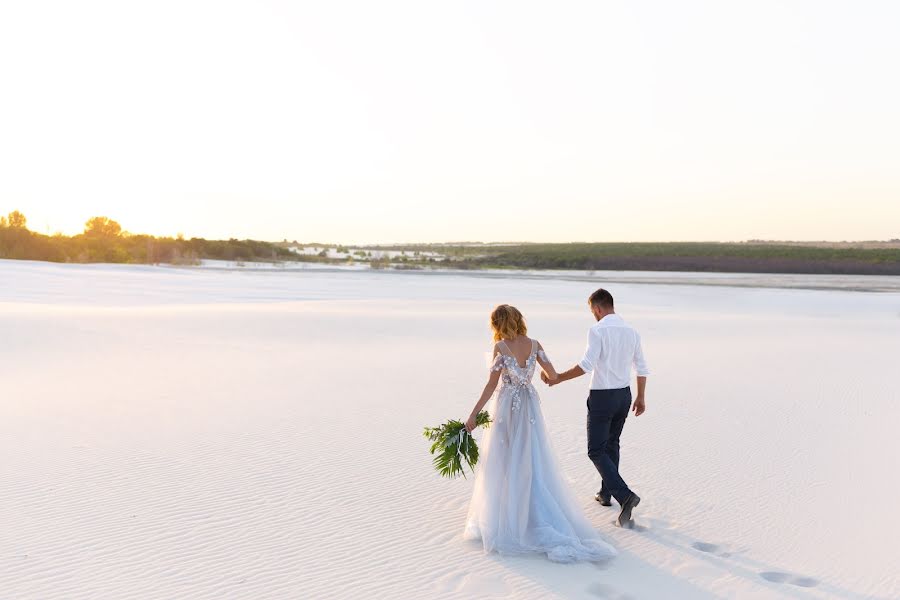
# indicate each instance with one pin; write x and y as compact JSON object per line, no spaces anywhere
{"x":603,"y":499}
{"x":624,"y":519}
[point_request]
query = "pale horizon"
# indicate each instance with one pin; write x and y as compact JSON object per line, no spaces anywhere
{"x":405,"y":122}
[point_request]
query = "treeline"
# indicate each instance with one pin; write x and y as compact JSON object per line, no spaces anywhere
{"x":683,"y":256}
{"x":103,"y":240}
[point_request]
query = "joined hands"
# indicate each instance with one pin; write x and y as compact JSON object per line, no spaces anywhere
{"x":548,"y":380}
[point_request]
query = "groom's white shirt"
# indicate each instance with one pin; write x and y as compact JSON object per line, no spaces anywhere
{"x":613,"y":347}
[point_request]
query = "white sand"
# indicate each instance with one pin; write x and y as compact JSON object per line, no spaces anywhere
{"x":190,"y":433}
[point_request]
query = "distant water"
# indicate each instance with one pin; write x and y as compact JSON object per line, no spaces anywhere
{"x":219,"y":282}
{"x":861,"y":283}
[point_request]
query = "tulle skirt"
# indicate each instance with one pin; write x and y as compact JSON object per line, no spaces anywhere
{"x":520,"y":504}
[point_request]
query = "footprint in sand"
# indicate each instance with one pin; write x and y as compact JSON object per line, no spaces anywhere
{"x":607,"y":592}
{"x":473,"y":585}
{"x":711,"y":549}
{"x":442,"y":538}
{"x":451,"y":582}
{"x":779,"y":577}
{"x":660,"y":524}
{"x":632,"y":526}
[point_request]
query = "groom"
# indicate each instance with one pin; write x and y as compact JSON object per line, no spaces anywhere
{"x":613,"y":347}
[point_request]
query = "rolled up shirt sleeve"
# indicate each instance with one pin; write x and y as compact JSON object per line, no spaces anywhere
{"x":591,"y":353}
{"x":640,"y":363}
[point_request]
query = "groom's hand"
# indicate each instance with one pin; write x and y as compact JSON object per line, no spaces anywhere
{"x":546,"y":379}
{"x":639,"y":406}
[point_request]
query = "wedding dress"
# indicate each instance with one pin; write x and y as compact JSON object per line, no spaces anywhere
{"x":520,"y":503}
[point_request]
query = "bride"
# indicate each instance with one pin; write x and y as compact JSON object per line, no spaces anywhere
{"x":520,"y":503}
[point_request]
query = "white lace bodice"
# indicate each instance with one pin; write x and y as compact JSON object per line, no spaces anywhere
{"x":513,"y":374}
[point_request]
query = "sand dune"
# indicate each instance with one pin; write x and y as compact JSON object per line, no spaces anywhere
{"x":191,"y":433}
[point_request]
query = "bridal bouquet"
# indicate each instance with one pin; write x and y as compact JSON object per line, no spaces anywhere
{"x":453,"y":444}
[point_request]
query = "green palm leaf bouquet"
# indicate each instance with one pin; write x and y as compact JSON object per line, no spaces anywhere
{"x":453,"y":445}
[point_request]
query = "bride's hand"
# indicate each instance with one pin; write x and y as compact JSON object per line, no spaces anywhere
{"x":470,"y":424}
{"x":547,"y":379}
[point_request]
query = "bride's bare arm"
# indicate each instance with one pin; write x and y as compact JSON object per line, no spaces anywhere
{"x":549,"y":373}
{"x":486,"y":394}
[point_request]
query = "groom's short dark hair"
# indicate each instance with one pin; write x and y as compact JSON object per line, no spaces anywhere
{"x":601,"y":298}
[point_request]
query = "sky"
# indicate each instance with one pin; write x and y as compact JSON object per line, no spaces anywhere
{"x":378,"y":122}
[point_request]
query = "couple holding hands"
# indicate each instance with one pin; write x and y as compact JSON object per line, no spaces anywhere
{"x":520,"y":503}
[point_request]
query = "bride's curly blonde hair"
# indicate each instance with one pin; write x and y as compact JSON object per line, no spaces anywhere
{"x":507,"y":322}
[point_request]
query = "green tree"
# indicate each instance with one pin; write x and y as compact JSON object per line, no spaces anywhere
{"x":102,"y":227}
